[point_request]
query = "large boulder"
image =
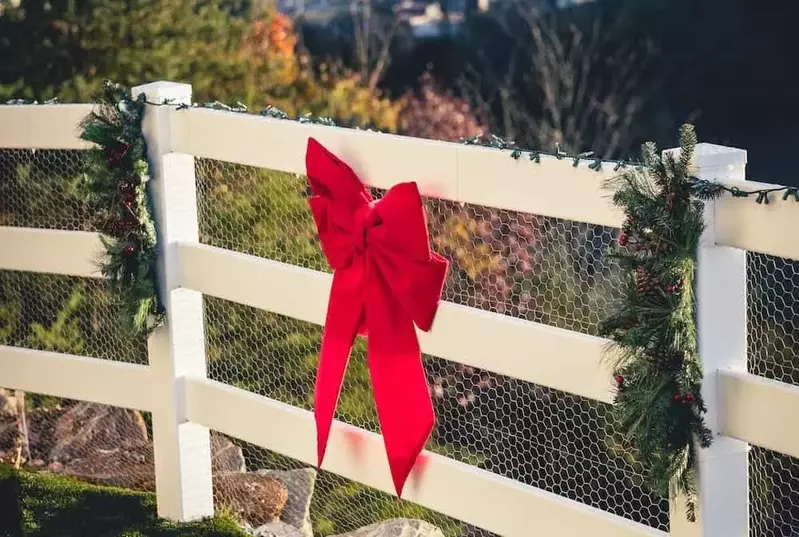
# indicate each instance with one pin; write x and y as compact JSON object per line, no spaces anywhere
{"x":130,"y":468}
{"x":300,"y":484}
{"x":225,"y":455}
{"x":89,"y":428}
{"x":277,"y":529}
{"x":398,"y":527}
{"x":252,"y":498}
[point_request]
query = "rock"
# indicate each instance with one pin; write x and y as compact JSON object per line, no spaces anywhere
{"x":8,"y":403}
{"x":399,"y":527}
{"x":131,"y":464}
{"x":253,"y":498}
{"x":130,"y":468}
{"x":226,"y":456}
{"x":87,"y":428}
{"x":277,"y":529}
{"x":300,"y":484}
{"x":9,"y":430}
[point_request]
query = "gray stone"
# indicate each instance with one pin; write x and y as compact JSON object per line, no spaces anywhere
{"x":225,"y":455}
{"x":254,"y":499}
{"x":8,"y":403}
{"x":277,"y":528}
{"x":87,"y":428}
{"x":399,"y":527}
{"x":300,"y":484}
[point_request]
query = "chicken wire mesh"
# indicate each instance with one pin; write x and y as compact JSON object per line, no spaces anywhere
{"x":46,"y":189}
{"x":773,"y":325}
{"x":541,"y":269}
{"x":99,"y":444}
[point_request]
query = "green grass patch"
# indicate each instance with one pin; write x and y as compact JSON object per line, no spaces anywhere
{"x":42,"y":505}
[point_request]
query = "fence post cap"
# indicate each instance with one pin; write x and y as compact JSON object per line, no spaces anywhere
{"x":174,"y":92}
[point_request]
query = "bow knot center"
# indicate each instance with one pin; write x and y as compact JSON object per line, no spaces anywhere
{"x":365,"y":217}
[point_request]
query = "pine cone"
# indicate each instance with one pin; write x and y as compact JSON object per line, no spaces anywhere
{"x":666,"y":360}
{"x":645,"y":284}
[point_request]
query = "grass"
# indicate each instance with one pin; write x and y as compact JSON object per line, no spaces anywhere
{"x":42,"y":505}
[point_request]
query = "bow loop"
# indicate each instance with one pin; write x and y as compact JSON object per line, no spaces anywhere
{"x":385,"y":279}
{"x":332,"y":179}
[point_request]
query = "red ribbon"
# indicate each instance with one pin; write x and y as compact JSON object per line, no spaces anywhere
{"x":385,"y":279}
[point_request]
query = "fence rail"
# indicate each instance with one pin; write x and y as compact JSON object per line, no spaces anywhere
{"x":76,"y":377}
{"x":449,"y":487}
{"x":525,"y":350}
{"x":185,"y":404}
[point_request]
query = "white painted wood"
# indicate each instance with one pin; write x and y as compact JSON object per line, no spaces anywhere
{"x":553,"y":188}
{"x":445,"y":170}
{"x":768,"y":229}
{"x":522,"y":349}
{"x":76,"y":377}
{"x":722,"y":329}
{"x":182,"y":449}
{"x":749,"y":409}
{"x":478,"y":497}
{"x":52,"y":251}
{"x":43,"y":126}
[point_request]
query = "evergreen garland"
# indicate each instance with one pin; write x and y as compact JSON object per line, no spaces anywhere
{"x":653,"y":328}
{"x":117,"y":174}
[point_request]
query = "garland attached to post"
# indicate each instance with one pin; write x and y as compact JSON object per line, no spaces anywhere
{"x":653,"y":327}
{"x":117,"y":174}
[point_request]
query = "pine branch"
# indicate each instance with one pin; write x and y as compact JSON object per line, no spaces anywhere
{"x":118,"y":174}
{"x":652,"y":328}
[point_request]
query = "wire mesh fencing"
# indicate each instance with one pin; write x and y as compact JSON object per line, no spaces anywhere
{"x":773,"y":352}
{"x":47,"y":189}
{"x":540,"y":269}
{"x":44,"y":189}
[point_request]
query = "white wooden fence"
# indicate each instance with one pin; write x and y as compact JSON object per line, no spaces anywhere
{"x":743,"y":409}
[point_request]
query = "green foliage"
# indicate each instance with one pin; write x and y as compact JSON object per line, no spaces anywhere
{"x":48,"y":312}
{"x":41,"y":505}
{"x":118,"y":173}
{"x":64,"y":335}
{"x":653,"y":328}
{"x":71,"y":47}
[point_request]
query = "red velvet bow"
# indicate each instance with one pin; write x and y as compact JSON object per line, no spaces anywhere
{"x":385,"y":279}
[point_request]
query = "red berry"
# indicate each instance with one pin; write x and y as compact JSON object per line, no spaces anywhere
{"x":670,"y":288}
{"x":619,"y":380}
{"x":623,"y":239}
{"x":129,"y":249}
{"x":689,"y":397}
{"x":677,"y":397}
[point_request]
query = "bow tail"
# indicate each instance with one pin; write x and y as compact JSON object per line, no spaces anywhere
{"x":344,"y":317}
{"x":400,"y":388}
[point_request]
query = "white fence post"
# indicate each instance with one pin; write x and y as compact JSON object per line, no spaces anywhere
{"x":182,"y":449}
{"x":722,"y":331}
